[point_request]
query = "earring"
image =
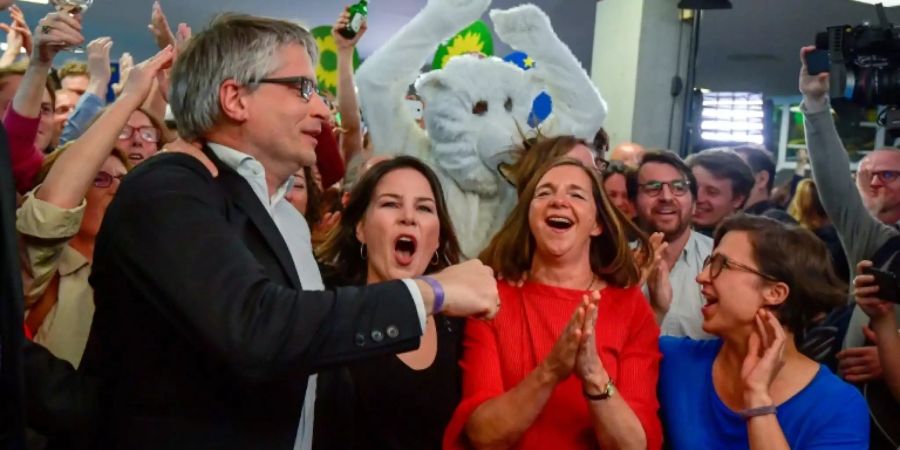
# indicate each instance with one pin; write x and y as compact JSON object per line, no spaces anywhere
{"x":362,"y":252}
{"x":436,"y":259}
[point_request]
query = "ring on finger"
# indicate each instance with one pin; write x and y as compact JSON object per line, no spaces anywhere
{"x":46,"y":29}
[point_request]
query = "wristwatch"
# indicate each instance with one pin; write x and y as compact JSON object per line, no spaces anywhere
{"x":608,"y":392}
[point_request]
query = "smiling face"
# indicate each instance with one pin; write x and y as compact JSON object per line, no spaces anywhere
{"x":617,"y":191}
{"x":562,"y":214}
{"x":716,"y":199}
{"x":400,"y":228}
{"x":735,"y":294}
{"x":668,"y":211}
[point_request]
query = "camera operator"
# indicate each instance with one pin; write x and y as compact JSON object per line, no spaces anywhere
{"x":882,"y":329}
{"x":859,"y":230}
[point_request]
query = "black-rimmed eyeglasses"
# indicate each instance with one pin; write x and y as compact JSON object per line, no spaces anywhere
{"x":654,"y":188}
{"x":719,"y":262}
{"x":305,"y":86}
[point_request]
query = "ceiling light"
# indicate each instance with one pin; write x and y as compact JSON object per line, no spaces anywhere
{"x":704,"y":4}
{"x":43,"y":2}
{"x":886,"y":3}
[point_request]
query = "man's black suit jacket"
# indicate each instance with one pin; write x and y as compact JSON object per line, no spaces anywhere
{"x":202,"y":335}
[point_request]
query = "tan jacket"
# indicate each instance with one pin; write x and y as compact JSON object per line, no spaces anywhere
{"x":45,"y":230}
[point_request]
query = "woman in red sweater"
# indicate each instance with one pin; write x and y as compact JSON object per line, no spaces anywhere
{"x":571,"y":361}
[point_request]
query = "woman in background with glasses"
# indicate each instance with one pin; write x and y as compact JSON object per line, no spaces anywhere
{"x":764,"y":283}
{"x":59,"y":220}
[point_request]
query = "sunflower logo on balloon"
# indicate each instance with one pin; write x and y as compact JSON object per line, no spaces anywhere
{"x":326,"y":68}
{"x":476,"y":38}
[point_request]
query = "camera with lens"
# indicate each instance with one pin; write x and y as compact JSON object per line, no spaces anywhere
{"x":864,"y":61}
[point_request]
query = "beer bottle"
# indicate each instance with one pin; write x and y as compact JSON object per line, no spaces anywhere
{"x":358,"y":13}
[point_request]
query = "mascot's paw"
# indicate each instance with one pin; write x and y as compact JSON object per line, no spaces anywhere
{"x":524,"y":28}
{"x":480,"y":181}
{"x":460,"y":12}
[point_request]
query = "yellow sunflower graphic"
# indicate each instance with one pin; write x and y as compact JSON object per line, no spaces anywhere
{"x":326,"y":69}
{"x":476,"y":38}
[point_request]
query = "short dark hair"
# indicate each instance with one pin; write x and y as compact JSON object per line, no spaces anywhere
{"x":796,"y":257}
{"x":340,"y":253}
{"x":669,"y":157}
{"x":630,"y":174}
{"x":759,"y":159}
{"x":724,"y":163}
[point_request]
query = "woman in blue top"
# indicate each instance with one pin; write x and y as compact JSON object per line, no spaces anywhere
{"x":752,"y":388}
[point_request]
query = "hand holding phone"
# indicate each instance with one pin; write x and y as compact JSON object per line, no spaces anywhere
{"x":887,"y":284}
{"x":817,"y":62}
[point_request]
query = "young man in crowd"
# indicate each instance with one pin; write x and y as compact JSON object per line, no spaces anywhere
{"x":667,"y":192}
{"x":724,"y":182}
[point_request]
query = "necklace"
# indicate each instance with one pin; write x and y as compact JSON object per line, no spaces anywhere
{"x":593,"y":279}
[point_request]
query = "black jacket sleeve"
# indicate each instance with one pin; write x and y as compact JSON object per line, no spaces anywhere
{"x":169,"y":235}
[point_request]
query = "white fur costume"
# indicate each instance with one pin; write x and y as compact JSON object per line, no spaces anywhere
{"x":463,"y":147}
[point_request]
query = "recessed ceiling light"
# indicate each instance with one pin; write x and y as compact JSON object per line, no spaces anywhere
{"x":886,"y":3}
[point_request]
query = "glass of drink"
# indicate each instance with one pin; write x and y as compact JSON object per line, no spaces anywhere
{"x":74,"y":8}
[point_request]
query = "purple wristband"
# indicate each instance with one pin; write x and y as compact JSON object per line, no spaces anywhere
{"x":748,"y":414}
{"x":438,"y":293}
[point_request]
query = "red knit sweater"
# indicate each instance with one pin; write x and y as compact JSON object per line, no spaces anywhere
{"x":499,"y":354}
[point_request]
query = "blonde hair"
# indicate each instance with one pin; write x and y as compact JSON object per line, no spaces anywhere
{"x":806,"y":207}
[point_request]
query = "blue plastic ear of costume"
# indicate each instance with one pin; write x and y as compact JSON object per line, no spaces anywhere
{"x":543,"y":104}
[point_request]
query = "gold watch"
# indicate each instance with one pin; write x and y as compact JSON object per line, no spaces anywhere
{"x":607,"y":393}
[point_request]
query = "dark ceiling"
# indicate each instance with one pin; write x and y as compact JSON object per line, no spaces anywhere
{"x":752,"y":47}
{"x":126,"y":20}
{"x":756,"y":46}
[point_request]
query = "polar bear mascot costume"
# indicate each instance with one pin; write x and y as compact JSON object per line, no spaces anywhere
{"x":476,"y":109}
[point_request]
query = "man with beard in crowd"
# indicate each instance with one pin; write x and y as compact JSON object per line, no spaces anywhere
{"x":667,"y":192}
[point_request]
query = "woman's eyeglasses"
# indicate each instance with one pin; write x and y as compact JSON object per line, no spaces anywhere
{"x":104,"y":180}
{"x":147,"y":134}
{"x":719,"y":262}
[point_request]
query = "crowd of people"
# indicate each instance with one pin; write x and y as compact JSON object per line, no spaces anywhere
{"x":220,"y":258}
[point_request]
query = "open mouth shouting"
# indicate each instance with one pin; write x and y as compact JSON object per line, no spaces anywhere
{"x":559,"y":223}
{"x":404,"y":249}
{"x":711,"y":302}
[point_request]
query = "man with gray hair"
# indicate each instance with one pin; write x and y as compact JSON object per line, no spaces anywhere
{"x":210,"y":309}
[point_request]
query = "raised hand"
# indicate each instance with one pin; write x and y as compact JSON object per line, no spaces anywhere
{"x":588,"y":366}
{"x":765,"y":358}
{"x":342,"y":22}
{"x":18,"y":32}
{"x":560,"y":363}
{"x":126,"y":63}
{"x":660,"y":290}
{"x":56,"y":31}
{"x":814,"y":87}
{"x":98,"y":65}
{"x":140,"y":78}
{"x":866,"y":292}
{"x":159,"y":27}
{"x":658,"y":246}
